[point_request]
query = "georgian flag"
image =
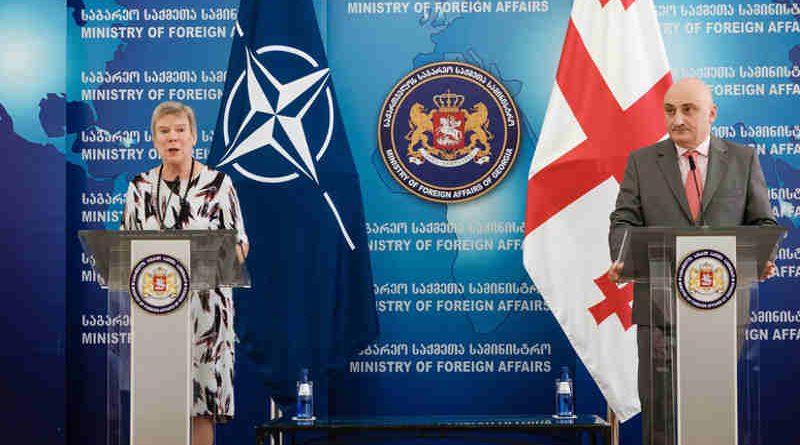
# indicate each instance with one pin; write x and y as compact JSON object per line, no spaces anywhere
{"x":606,"y":102}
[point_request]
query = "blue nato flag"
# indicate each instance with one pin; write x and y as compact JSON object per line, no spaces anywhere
{"x":280,"y":136}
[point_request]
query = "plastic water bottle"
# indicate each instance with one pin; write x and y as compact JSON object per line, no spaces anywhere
{"x":565,"y":401}
{"x":305,"y":397}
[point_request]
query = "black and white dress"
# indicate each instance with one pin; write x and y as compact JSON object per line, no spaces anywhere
{"x":212,"y":204}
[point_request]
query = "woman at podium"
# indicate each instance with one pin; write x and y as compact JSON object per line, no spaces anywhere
{"x":181,"y":193}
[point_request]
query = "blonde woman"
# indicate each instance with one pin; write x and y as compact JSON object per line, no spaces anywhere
{"x":181,"y":193}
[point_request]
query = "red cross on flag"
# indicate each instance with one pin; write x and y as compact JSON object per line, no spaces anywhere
{"x":606,"y":102}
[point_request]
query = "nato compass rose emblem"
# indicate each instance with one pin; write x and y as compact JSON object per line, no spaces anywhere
{"x":272,"y":125}
{"x":449,"y":132}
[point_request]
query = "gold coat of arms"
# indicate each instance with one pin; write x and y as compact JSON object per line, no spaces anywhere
{"x":449,"y":135}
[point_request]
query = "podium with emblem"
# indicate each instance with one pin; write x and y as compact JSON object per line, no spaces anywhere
{"x":699,"y":285}
{"x":150,"y":277}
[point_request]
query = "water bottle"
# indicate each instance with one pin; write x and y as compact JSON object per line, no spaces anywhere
{"x":565,"y":401}
{"x":305,"y":397}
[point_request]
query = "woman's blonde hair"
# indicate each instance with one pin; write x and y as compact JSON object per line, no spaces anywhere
{"x":175,"y":108}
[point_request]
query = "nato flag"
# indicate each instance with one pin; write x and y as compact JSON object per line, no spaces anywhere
{"x":279,"y":135}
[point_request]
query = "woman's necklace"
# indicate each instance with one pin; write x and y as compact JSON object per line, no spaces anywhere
{"x":184,"y":211}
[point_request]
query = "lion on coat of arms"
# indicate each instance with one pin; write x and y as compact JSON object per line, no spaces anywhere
{"x":422,"y":127}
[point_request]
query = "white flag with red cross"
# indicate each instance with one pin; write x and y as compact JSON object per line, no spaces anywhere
{"x":606,"y":102}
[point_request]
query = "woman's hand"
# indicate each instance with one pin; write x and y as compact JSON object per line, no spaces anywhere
{"x":241,"y":251}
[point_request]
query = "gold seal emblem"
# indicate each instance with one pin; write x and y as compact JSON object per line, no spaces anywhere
{"x":449,"y":126}
{"x":159,"y":283}
{"x":706,"y":279}
{"x":449,"y":132}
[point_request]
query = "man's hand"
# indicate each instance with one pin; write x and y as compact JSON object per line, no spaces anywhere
{"x":768,"y":272}
{"x":615,"y":271}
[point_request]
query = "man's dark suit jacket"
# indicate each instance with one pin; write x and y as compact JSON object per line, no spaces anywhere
{"x":652,"y":194}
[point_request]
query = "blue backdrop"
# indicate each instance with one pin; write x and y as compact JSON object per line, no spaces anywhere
{"x":75,"y":125}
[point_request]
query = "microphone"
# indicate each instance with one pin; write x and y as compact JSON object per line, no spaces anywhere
{"x":693,"y":169}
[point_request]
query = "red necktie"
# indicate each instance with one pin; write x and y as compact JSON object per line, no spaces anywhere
{"x":693,"y":186}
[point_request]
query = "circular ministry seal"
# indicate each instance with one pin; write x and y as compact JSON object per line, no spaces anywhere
{"x":706,"y":279}
{"x":449,"y":132}
{"x":159,"y":284}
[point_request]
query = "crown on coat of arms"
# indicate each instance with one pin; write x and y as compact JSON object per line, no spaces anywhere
{"x":448,"y":101}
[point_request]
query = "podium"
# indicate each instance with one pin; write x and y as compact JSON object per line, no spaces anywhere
{"x":151,"y":277}
{"x":698,"y":286}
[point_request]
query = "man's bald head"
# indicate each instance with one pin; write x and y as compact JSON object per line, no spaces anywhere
{"x":689,"y":111}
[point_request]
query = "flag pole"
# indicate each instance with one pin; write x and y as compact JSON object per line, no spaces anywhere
{"x":614,"y":425}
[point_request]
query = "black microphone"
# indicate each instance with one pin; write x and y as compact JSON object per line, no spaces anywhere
{"x":693,"y":169}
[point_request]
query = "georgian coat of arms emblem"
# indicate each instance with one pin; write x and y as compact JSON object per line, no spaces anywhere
{"x":159,"y":283}
{"x":449,"y":132}
{"x":706,"y":279}
{"x":448,"y":127}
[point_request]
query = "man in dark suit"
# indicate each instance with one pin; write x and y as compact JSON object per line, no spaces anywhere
{"x":689,"y":179}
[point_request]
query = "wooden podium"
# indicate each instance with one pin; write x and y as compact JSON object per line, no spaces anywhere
{"x":151,"y":277}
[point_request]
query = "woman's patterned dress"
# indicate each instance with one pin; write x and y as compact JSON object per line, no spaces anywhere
{"x":212,"y":204}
